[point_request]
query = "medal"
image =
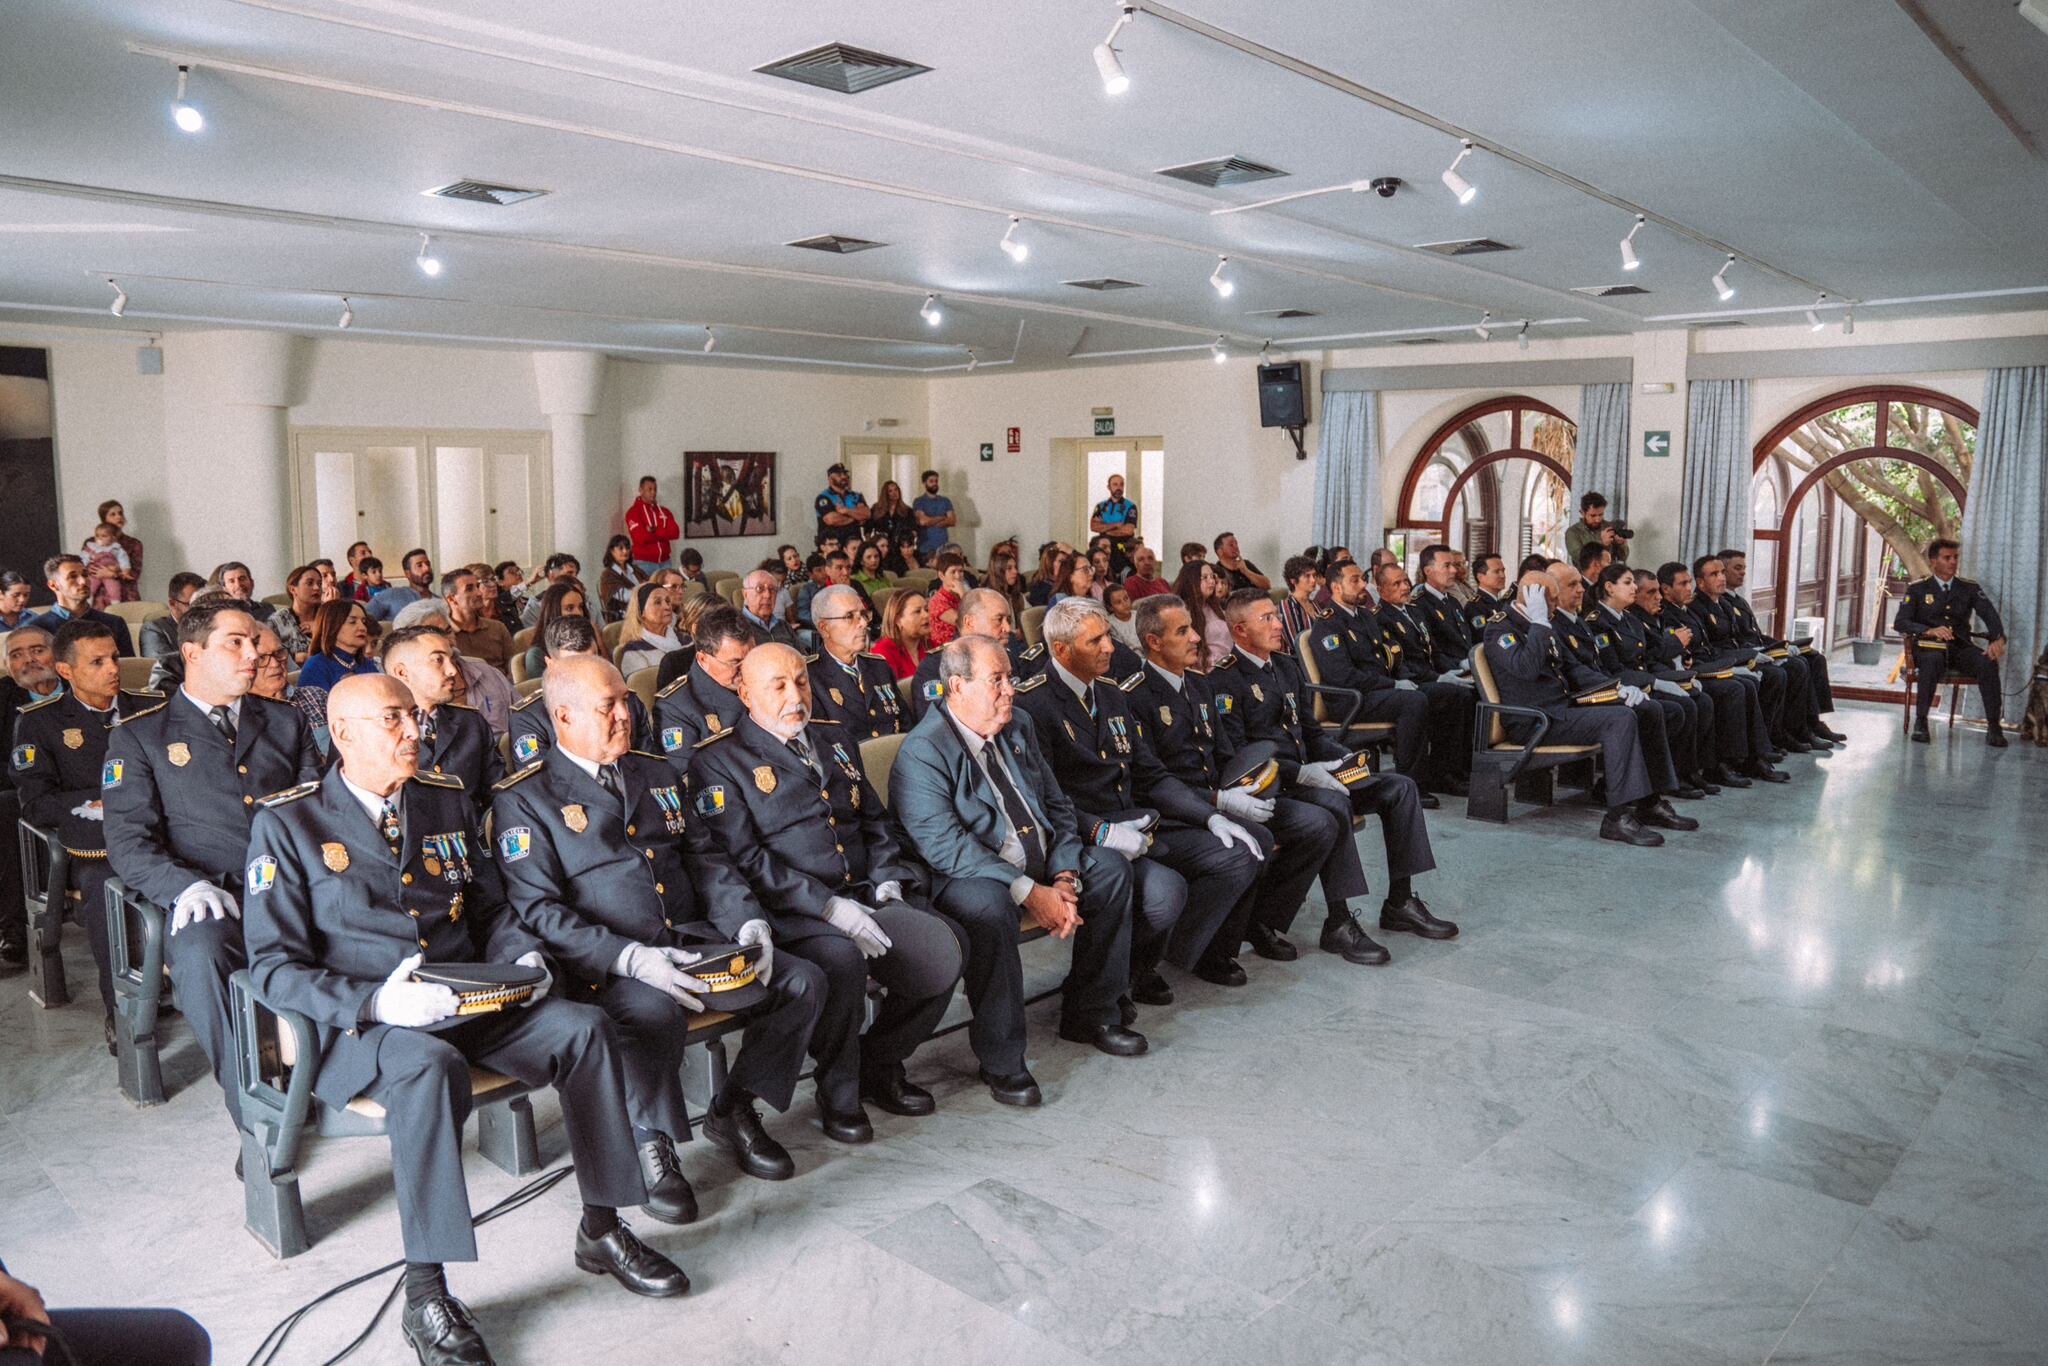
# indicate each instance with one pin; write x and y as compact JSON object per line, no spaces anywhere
{"x":573,"y":816}
{"x":335,"y":856}
{"x":179,"y":754}
{"x":764,"y":778}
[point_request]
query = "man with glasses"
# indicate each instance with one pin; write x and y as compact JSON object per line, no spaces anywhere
{"x":31,"y":676}
{"x":705,"y":700}
{"x":757,"y":604}
{"x":533,"y":727}
{"x":160,"y":634}
{"x":850,"y":684}
{"x":983,"y":612}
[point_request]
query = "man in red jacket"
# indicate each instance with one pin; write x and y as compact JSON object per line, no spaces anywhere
{"x":652,"y":527}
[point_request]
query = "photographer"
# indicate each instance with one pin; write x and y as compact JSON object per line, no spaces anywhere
{"x":1594,"y":528}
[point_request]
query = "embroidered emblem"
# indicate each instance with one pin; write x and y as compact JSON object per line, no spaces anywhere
{"x":711,"y":801}
{"x":837,"y":699}
{"x":672,"y":739}
{"x":262,"y":873}
{"x":25,"y":756}
{"x":1507,"y":638}
{"x":1257,"y":695}
{"x":1165,"y":716}
{"x":515,"y":844}
{"x":1330,"y":641}
{"x":525,"y":748}
{"x":574,"y":817}
{"x":1225,"y":703}
{"x":764,"y":778}
{"x":335,"y":856}
{"x":74,"y":739}
{"x":110,"y":772}
{"x":179,"y":753}
{"x":934,"y":690}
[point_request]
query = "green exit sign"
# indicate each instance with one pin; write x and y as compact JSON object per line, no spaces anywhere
{"x":1656,"y":444}
{"x":988,"y":450}
{"x":1105,"y":426}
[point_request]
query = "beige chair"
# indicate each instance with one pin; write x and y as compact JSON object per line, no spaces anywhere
{"x":519,"y":674}
{"x":614,"y":632}
{"x":1033,"y":625}
{"x":522,"y":639}
{"x":732,"y":590}
{"x":1528,"y":765}
{"x":526,"y":687}
{"x":278,"y":599}
{"x":878,"y":756}
{"x":881,"y":601}
{"x":642,"y":683}
{"x":139,"y":614}
{"x":717,"y":579}
{"x":135,"y":671}
{"x":1368,"y":732}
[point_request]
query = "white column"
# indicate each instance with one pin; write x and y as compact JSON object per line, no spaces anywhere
{"x":571,"y":385}
{"x":227,"y":401}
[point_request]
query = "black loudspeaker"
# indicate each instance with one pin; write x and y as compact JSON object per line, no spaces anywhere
{"x":1283,"y":394}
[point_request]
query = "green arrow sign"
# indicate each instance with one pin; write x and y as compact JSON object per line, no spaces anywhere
{"x":1656,"y":444}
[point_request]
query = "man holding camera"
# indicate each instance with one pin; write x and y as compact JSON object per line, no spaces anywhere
{"x":1593,"y":527}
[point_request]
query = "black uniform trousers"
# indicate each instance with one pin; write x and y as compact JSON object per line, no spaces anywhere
{"x":1302,"y":841}
{"x":203,"y":956}
{"x":1451,"y":709}
{"x":917,"y":974}
{"x":1929,"y":665}
{"x":1396,"y":801}
{"x":1779,"y":712}
{"x":1740,"y":731}
{"x":1615,"y":729}
{"x":1216,"y":885}
{"x":120,"y":1337}
{"x":1667,"y":739}
{"x":1802,"y":709}
{"x":423,"y":1084}
{"x":995,"y":973}
{"x":654,"y":1031}
{"x":1409,"y":710}
{"x":88,"y":897}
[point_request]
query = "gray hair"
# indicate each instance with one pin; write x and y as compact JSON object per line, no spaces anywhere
{"x":834,"y":601}
{"x":1148,"y":618}
{"x":771,"y":580}
{"x":959,"y":656}
{"x":979,"y":605}
{"x":1065,"y":618}
{"x":420,"y":613}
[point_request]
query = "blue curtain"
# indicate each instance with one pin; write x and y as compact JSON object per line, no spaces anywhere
{"x":1600,"y":464}
{"x":1347,"y":503}
{"x":1714,"y":512}
{"x":2003,"y":525}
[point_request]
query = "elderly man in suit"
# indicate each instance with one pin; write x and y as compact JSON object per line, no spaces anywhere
{"x":983,"y":809}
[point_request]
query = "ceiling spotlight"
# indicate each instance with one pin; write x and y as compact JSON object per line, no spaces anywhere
{"x":1849,"y":323}
{"x":1522,"y":336}
{"x":971,"y":360}
{"x":185,"y":115}
{"x":1265,"y":348}
{"x":1456,"y":183}
{"x":1481,"y":327}
{"x":1114,"y":81}
{"x":348,"y":314}
{"x":1216,"y":351}
{"x":1012,"y":248}
{"x":1628,"y":244}
{"x":930,"y":310}
{"x":120,"y":298}
{"x":1722,"y":288}
{"x":710,"y":341}
{"x":1812,"y":318}
{"x":1221,"y":281}
{"x":429,"y":265}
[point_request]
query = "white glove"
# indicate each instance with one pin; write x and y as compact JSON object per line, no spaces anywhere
{"x":408,"y":1004}
{"x":1229,"y":832}
{"x":202,"y":901}
{"x":1760,"y":658}
{"x":755,"y":932}
{"x":1322,"y":775}
{"x":1633,"y":695}
{"x":89,"y":811}
{"x":1664,"y":687}
{"x":1462,"y":677}
{"x":1237,"y":802}
{"x":1404,"y":685}
{"x":1536,"y":605}
{"x":532,"y":959}
{"x":856,"y":920}
{"x":662,"y":969}
{"x":1125,"y":838}
{"x":888,"y":891}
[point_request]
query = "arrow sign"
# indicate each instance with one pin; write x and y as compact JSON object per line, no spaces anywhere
{"x":1656,"y":444}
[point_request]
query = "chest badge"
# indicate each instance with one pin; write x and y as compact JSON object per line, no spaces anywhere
{"x":74,"y":739}
{"x":1166,"y":716}
{"x":837,"y":699}
{"x":1070,"y":730}
{"x":335,"y":856}
{"x":179,"y":754}
{"x":575,"y":818}
{"x":1257,"y":696}
{"x":712,"y":717}
{"x":853,"y":798}
{"x":764,"y":778}
{"x":670,"y":800}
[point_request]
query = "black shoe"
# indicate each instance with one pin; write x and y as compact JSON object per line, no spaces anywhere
{"x":1020,"y":1089}
{"x":1730,"y":778}
{"x":1793,"y":745}
{"x":1225,"y":972}
{"x":1764,"y":773}
{"x":896,"y":1094}
{"x":1920,"y":735}
{"x":669,"y":1197}
{"x":1451,"y":786}
{"x":1661,"y":813}
{"x":1772,"y":756}
{"x":1343,"y":935}
{"x":1623,"y":827}
{"x":1818,"y":743}
{"x":1685,"y":791}
{"x":1707,"y":787}
{"x":443,"y":1333}
{"x":1153,"y":991}
{"x":14,"y":952}
{"x":1428,"y":800}
{"x":1413,"y":917}
{"x":1126,"y":1011}
{"x":1271,"y":944}
{"x":631,"y":1263}
{"x":852,"y":1128}
{"x":1995,"y":737}
{"x":1831,"y":735}
{"x":740,"y":1133}
{"x":1114,"y":1040}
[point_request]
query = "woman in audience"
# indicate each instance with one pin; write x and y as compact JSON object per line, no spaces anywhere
{"x":341,"y":642}
{"x":1045,"y":579}
{"x":893,"y":552}
{"x":1075,"y":578}
{"x":293,"y":622}
{"x":114,"y":514}
{"x":562,"y":600}
{"x":893,"y":518}
{"x":867,"y":569}
{"x":906,"y":631}
{"x":1196,"y":586}
{"x":14,"y":594}
{"x":1105,"y":575}
{"x":621,"y":577}
{"x":1122,"y":623}
{"x":944,"y":608}
{"x":1004,"y":578}
{"x":656,"y":610}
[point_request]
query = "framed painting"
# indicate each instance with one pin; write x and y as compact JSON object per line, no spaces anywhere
{"x":728,"y":493}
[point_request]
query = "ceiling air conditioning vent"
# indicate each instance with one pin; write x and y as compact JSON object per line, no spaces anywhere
{"x":483,"y":192}
{"x":1223,"y":171}
{"x":1105,"y":283}
{"x":1608,"y":291}
{"x":834,"y":243}
{"x":848,"y":70}
{"x":1467,"y":246}
{"x":1417,"y":341}
{"x":1717,"y":322}
{"x":1283,"y":313}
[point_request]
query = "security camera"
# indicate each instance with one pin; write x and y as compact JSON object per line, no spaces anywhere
{"x":1385,"y":186}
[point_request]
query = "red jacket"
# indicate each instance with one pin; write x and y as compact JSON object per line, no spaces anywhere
{"x":652,"y":532}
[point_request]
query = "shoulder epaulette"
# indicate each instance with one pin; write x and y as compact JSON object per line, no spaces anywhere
{"x":714,"y":735}
{"x":1028,"y":684}
{"x":440,"y":780}
{"x":645,"y":755}
{"x":1034,"y":652}
{"x":1131,"y":684}
{"x":672,"y":687}
{"x":290,"y":794}
{"x":459,"y":706}
{"x":870,"y":654}
{"x":57,"y":696}
{"x":137,"y":716}
{"x":810,"y":660}
{"x":142,"y":692}
{"x":527,"y":700}
{"x":1972,"y":583}
{"x":820,"y":721}
{"x":1228,"y":661}
{"x":1325,"y":613}
{"x":511,"y":778}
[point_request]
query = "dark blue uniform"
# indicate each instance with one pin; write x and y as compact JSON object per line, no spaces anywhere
{"x":1806,"y":670}
{"x":1741,"y":735}
{"x":689,"y":709}
{"x":1531,"y":670}
{"x":828,"y":502}
{"x":456,"y":742}
{"x":1622,"y":642}
{"x":1450,"y":634}
{"x":1117,"y":512}
{"x":1930,"y":603}
{"x":1482,"y":612}
{"x":1451,"y":705}
{"x":533,"y":728}
{"x":1718,"y":646}
{"x":1576,"y":642}
{"x":859,"y":697}
{"x":1351,"y":651}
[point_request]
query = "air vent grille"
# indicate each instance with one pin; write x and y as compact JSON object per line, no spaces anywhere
{"x":1283,"y":313}
{"x":837,"y":66}
{"x":482,"y":192}
{"x":834,"y":243}
{"x":1468,"y":246}
{"x":1417,"y":341}
{"x":1717,"y":322}
{"x":1105,"y":283}
{"x":1608,"y":291}
{"x":1223,"y":171}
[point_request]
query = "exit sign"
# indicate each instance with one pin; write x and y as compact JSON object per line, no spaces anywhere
{"x":1656,"y":444}
{"x":988,"y":450}
{"x":1105,"y":426}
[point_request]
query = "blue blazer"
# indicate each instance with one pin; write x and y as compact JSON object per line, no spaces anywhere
{"x":949,"y":810}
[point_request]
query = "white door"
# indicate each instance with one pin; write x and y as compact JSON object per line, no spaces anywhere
{"x":508,"y":510}
{"x":1142,"y":463}
{"x":463,"y":496}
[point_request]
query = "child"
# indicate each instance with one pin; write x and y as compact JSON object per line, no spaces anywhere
{"x":106,"y":564}
{"x":945,"y":603}
{"x":1122,"y":625}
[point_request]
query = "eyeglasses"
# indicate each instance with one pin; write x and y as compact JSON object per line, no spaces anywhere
{"x":859,"y":614}
{"x":274,"y":659}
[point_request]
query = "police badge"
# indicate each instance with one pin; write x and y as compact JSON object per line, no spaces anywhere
{"x":335,"y":856}
{"x":179,"y":754}
{"x":74,"y":739}
{"x":1257,"y":696}
{"x":573,"y":816}
{"x":1165,"y":716}
{"x":764,"y":778}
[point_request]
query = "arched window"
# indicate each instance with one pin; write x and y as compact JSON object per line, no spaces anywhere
{"x":1463,"y":488}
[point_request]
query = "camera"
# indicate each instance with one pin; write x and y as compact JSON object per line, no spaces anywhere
{"x":1621,"y":530}
{"x":1384,"y":186}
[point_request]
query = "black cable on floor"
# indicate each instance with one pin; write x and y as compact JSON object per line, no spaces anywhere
{"x":273,"y":1342}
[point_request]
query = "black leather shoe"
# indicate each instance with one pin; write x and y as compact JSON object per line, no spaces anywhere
{"x":1413,"y":917}
{"x":1428,"y":800}
{"x":853,"y":1128}
{"x":631,"y":1263}
{"x":1662,"y":813}
{"x":1730,"y":778}
{"x":442,"y":1332}
{"x":1271,"y":944}
{"x":1126,"y":1011}
{"x":1021,"y":1089}
{"x":1687,"y":792}
{"x":1343,"y":935}
{"x":669,"y":1197}
{"x":1995,"y":737}
{"x":740,"y":1133}
{"x":1451,"y":785}
{"x":1114,"y":1040}
{"x":1764,"y":773}
{"x":1227,"y":972}
{"x":1793,"y":745}
{"x":1818,"y":743}
{"x":894,"y":1093}
{"x":1153,"y":991}
{"x":1920,"y":735}
{"x":1623,"y":827}
{"x":13,"y":952}
{"x":1831,"y":735}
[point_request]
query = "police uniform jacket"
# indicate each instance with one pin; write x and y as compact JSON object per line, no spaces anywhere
{"x":533,"y":729}
{"x":463,"y":748}
{"x":1626,"y":651}
{"x":1927,"y":605}
{"x":592,"y":874}
{"x":1532,"y":669}
{"x":689,"y":709}
{"x":1450,"y":635}
{"x":1715,"y":643}
{"x":60,"y":749}
{"x":1351,"y":651}
{"x":1482,"y":612}
{"x":926,"y":687}
{"x":179,"y":799}
{"x":860,"y":697}
{"x":1417,"y":661}
{"x":797,"y":837}
{"x":329,"y":910}
{"x":1254,"y":703}
{"x":1575,"y":638}
{"x":1661,"y":633}
{"x":1103,"y":761}
{"x":1181,"y":724}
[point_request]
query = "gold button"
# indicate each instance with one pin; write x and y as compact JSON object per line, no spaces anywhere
{"x":669,"y":923}
{"x":437,"y":768}
{"x":839,"y":848}
{"x":423,"y":943}
{"x":414,"y":914}
{"x":650,"y":853}
{"x":831,"y":820}
{"x":405,"y":878}
{"x":659,"y":889}
{"x":631,"y":831}
{"x":241,"y":768}
{"x":248,"y":801}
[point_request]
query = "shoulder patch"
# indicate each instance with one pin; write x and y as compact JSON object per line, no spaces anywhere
{"x":810,"y":660}
{"x":137,"y":716}
{"x":1325,"y":613}
{"x":870,"y":654}
{"x":1032,"y":682}
{"x":933,"y":689}
{"x":511,"y":778}
{"x":815,"y":720}
{"x":714,"y":735}
{"x":57,"y":696}
{"x":1131,"y":684}
{"x":290,"y":794}
{"x":665,"y":691}
{"x":142,"y":692}
{"x":439,"y":780}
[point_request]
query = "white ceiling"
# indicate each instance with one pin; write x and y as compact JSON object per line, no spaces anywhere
{"x":1831,"y":143}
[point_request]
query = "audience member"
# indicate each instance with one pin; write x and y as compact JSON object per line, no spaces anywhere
{"x":419,"y":583}
{"x":1115,"y":516}
{"x":622,"y":574}
{"x":906,"y":631}
{"x":293,"y":622}
{"x":944,"y":607}
{"x":851,"y":686}
{"x":1122,"y":624}
{"x":15,"y":590}
{"x":868,"y":573}
{"x":650,"y":529}
{"x":1238,"y":572}
{"x":64,"y":576}
{"x":106,"y":565}
{"x":353,"y":587}
{"x":564,"y":598}
{"x":160,"y":634}
{"x":558,"y":568}
{"x":341,"y":641}
{"x":840,"y":508}
{"x":273,"y":680}
{"x":1044,"y":580}
{"x":705,"y":700}
{"x":112,"y":513}
{"x":934,"y":515}
{"x":1298,"y":609}
{"x":1075,"y":579}
{"x":481,"y":686}
{"x":1199,"y":588}
{"x":892,"y":519}
{"x":655,"y":615}
{"x":1143,"y":580}
{"x":758,"y":594}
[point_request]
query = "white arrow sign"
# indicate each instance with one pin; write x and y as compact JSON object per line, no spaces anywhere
{"x":1657,"y":443}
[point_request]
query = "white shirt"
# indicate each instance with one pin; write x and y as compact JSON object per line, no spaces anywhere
{"x":1074,"y":685}
{"x":205,"y":710}
{"x":589,"y":766}
{"x":372,"y":804}
{"x":1174,"y":681}
{"x":1012,"y":850}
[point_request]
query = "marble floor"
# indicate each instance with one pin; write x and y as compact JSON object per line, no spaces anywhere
{"x":1776,"y":1092}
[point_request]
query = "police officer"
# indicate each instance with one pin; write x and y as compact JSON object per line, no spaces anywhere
{"x":1661,"y":745}
{"x":1299,"y":839}
{"x":1441,"y":615}
{"x":351,"y":882}
{"x":1115,"y":516}
{"x":788,"y":802}
{"x":60,"y":747}
{"x":533,"y":730}
{"x":1192,"y":866}
{"x":1936,"y":613}
{"x":602,"y":862}
{"x":1720,"y":629}
{"x":1808,"y":657}
{"x":1736,"y":689}
{"x":1262,"y":694}
{"x":1442,"y":676}
{"x":455,"y":740}
{"x":983,"y":612}
{"x":30,"y":676}
{"x":841,"y":511}
{"x":1489,"y":587}
{"x":1352,"y":652}
{"x":1623,"y":645}
{"x":1804,"y":698}
{"x":179,"y":788}
{"x":702,"y":702}
{"x":851,"y":685}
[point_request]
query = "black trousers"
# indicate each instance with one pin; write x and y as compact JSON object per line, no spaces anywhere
{"x":120,"y":1337}
{"x":1451,"y":709}
{"x":1660,"y":747}
{"x":1960,"y":657}
{"x":994,"y":977}
{"x":1614,"y":729}
{"x":1801,"y":706}
{"x":917,"y":973}
{"x":89,"y":905}
{"x":1823,"y":688}
{"x":1408,"y":709}
{"x":1218,"y":880}
{"x":1315,"y":818}
{"x":13,"y":914}
{"x":1779,"y":714}
{"x":203,"y":956}
{"x":423,"y":1084}
{"x":1740,"y":731}
{"x":1699,"y":750}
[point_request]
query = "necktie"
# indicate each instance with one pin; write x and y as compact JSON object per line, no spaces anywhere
{"x":1018,"y":812}
{"x":608,"y":779}
{"x":389,"y":822}
{"x":803,"y":752}
{"x":1088,"y":699}
{"x":426,"y":726}
{"x":224,"y":722}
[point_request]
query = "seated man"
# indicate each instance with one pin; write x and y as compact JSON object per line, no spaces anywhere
{"x":160,"y":634}
{"x":1436,"y":609}
{"x":455,"y":740}
{"x":533,"y":728}
{"x":482,"y":687}
{"x":703,"y":701}
{"x":1723,"y":643}
{"x":1735,"y":687}
{"x":179,"y":789}
{"x":30,"y":677}
{"x":981,"y":807}
{"x":64,"y":576}
{"x":1801,"y":661}
{"x":601,"y":863}
{"x":1489,"y":585}
{"x":983,"y":612}
{"x":1625,"y":651}
{"x":757,"y":605}
{"x":1442,"y":676}
{"x":331,"y":864}
{"x":1262,"y":694}
{"x":1352,"y":652}
{"x":1936,"y":612}
{"x":839,"y":890}
{"x":851,"y":685}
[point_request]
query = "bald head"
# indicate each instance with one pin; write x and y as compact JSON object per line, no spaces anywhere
{"x":985,"y":612}
{"x":776,"y":689}
{"x":586,"y":699}
{"x":376,"y":738}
